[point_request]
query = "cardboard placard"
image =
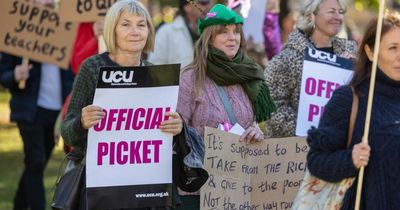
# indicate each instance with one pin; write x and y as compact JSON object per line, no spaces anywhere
{"x":258,"y":176}
{"x":35,"y":32}
{"x":84,"y":10}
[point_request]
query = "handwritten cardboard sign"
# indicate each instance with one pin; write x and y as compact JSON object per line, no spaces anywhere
{"x":35,"y":32}
{"x":264,"y":175}
{"x":322,"y":74}
{"x":84,"y":10}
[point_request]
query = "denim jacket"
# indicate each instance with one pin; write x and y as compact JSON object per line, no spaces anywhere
{"x":188,"y":171}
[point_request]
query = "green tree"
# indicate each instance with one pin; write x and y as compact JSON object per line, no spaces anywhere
{"x":374,"y":4}
{"x":367,"y":4}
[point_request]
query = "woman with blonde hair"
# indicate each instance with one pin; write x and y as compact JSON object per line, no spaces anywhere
{"x":128,"y":32}
{"x":318,"y":25}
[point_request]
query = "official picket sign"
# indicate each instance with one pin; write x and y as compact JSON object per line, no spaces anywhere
{"x":129,"y":160}
{"x":84,"y":10}
{"x":322,"y":74}
{"x":35,"y":32}
{"x":263,"y":175}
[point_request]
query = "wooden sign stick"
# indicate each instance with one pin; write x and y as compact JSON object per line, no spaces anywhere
{"x":370,"y":97}
{"x":22,"y":83}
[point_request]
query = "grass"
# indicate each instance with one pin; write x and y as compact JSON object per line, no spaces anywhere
{"x":4,"y":98}
{"x":11,"y":160}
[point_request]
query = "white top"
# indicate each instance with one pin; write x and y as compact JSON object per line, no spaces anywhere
{"x":50,"y":87}
{"x":173,"y":44}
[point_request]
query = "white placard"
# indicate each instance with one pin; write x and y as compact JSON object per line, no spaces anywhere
{"x":128,"y":157}
{"x":120,"y":103}
{"x":322,"y":74}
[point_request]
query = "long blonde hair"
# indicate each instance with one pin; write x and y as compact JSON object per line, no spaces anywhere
{"x":201,"y":48}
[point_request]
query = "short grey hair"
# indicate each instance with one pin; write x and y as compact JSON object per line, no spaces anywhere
{"x":308,"y":8}
{"x":113,"y":15}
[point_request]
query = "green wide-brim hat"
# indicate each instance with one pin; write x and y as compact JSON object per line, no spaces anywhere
{"x":219,"y":15}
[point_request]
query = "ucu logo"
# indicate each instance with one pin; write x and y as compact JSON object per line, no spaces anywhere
{"x":321,"y":55}
{"x":117,"y":76}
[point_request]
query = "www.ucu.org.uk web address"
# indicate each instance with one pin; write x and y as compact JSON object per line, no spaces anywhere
{"x":152,"y":195}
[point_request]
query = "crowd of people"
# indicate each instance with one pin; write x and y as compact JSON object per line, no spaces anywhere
{"x":220,"y":83}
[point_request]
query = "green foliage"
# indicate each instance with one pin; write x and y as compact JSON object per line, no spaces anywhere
{"x":369,"y":4}
{"x":164,"y":3}
{"x":11,"y":166}
{"x":4,"y":97}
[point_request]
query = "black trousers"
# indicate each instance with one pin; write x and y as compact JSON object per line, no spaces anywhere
{"x":38,"y":140}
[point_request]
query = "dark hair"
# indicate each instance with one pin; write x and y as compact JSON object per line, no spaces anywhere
{"x":363,"y":65}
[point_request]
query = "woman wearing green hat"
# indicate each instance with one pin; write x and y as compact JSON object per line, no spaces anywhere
{"x":222,"y":85}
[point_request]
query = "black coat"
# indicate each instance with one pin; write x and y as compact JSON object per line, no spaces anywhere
{"x":329,"y":159}
{"x":23,"y":102}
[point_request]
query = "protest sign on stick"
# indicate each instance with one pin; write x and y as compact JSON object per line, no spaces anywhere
{"x":84,"y":10}
{"x":35,"y":32}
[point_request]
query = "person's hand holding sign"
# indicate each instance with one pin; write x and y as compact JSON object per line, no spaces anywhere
{"x":173,"y":125}
{"x":252,"y":134}
{"x":21,"y":72}
{"x":91,"y":115}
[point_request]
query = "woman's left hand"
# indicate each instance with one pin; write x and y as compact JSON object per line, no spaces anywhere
{"x":252,"y":134}
{"x":173,"y":125}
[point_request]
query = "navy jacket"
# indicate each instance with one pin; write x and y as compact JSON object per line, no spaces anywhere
{"x":330,"y":160}
{"x":23,"y":102}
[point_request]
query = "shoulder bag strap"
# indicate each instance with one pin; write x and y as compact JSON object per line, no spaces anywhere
{"x":83,"y":161}
{"x":354,"y":109}
{"x":227,"y":104}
